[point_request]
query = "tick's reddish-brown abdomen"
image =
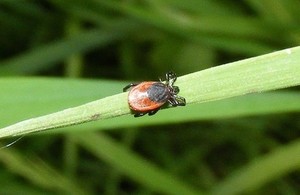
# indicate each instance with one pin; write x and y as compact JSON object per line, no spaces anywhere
{"x":148,"y":96}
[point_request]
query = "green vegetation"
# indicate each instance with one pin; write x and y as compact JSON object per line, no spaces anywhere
{"x":72,"y":58}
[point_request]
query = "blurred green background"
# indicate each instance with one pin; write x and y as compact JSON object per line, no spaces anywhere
{"x":92,"y":48}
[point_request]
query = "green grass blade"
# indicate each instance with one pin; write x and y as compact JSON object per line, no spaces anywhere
{"x":268,"y":72}
{"x":57,"y":94}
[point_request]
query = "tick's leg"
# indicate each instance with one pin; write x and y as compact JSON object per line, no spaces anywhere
{"x":172,"y":101}
{"x":180,"y":101}
{"x":152,"y":112}
{"x":139,"y":114}
{"x":128,"y":86}
{"x":177,"y":101}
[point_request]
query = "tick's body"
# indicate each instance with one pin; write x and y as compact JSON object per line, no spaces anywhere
{"x":150,"y":96}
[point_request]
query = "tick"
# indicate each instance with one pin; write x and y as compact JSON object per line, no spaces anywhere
{"x":149,"y":96}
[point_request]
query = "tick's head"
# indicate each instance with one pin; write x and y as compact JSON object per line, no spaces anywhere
{"x":170,"y":80}
{"x":174,"y":99}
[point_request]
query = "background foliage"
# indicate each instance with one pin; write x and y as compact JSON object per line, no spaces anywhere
{"x":84,"y":50}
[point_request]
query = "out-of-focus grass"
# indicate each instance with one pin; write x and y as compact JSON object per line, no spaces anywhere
{"x":195,"y":149}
